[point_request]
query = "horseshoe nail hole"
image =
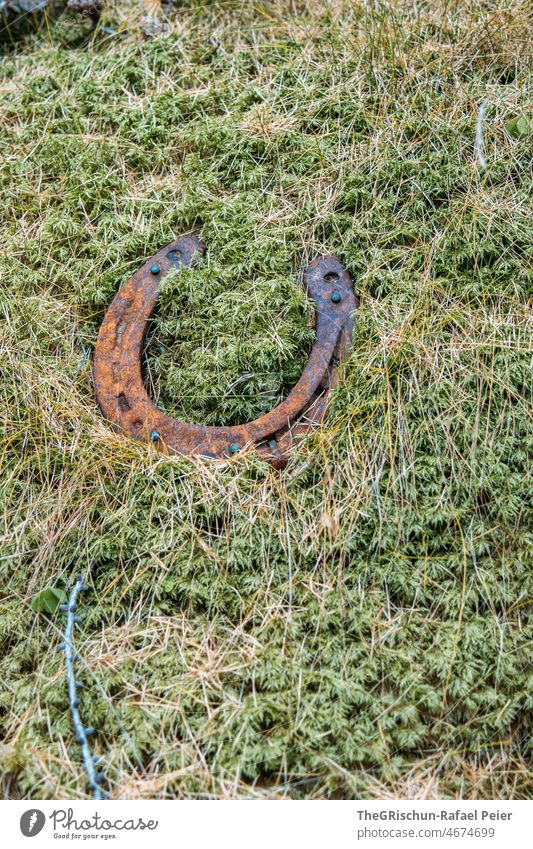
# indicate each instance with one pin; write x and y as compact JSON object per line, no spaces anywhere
{"x":123,"y":403}
{"x":119,"y":334}
{"x":331,"y":277}
{"x":174,"y":255}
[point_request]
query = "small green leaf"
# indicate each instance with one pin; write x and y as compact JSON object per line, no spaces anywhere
{"x":518,"y":127}
{"x":48,"y":600}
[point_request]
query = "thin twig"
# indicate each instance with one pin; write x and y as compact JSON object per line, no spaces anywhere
{"x":105,"y":698}
{"x":479,"y":145}
{"x":82,"y":732}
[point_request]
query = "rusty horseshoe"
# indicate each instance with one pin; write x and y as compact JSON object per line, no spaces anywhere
{"x":124,"y":400}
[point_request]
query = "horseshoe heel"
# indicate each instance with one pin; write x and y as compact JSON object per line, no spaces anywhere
{"x":123,"y":399}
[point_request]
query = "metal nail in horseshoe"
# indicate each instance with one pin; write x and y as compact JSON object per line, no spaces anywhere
{"x":122,"y":396}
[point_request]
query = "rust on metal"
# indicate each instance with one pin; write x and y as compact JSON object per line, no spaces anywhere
{"x":124,"y":401}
